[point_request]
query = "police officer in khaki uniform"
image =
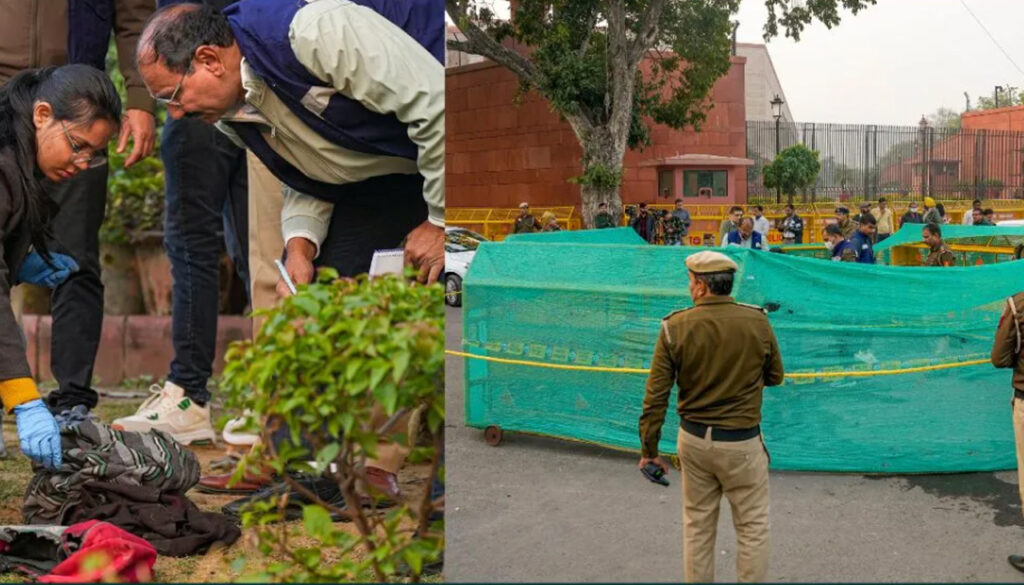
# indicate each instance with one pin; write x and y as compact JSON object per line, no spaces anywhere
{"x":939,"y":253}
{"x":721,"y":354}
{"x":1006,"y":353}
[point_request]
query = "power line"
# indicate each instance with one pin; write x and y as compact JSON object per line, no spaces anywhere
{"x":994,"y":41}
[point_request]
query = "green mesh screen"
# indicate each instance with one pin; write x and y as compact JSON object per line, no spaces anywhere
{"x":961,"y":234}
{"x":600,"y":306}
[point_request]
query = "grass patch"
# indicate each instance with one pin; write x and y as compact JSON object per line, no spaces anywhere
{"x":109,"y":409}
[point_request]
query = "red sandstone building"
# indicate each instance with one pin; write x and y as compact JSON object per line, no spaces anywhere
{"x":500,"y":154}
{"x":984,"y":159}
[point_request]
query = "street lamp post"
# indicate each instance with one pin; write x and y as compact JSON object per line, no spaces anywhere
{"x":777,"y":114}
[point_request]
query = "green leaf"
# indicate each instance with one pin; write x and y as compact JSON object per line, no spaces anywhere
{"x":415,"y":560}
{"x":377,"y":374}
{"x":317,"y":521}
{"x":327,"y":454}
{"x":401,"y":362}
{"x":387,"y":395}
{"x":309,"y":305}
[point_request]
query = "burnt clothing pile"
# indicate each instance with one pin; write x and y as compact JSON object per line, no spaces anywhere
{"x":88,"y":552}
{"x":136,"y":481}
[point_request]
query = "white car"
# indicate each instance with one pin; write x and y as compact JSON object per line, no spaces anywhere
{"x":459,"y":248}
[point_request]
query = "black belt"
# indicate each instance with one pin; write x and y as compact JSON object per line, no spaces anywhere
{"x":718,"y":434}
{"x":1018,"y":394}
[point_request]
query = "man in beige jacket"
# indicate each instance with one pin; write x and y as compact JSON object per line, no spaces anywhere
{"x":344,"y":103}
{"x":883,"y":215}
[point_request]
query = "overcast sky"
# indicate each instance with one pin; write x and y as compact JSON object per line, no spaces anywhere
{"x":894,"y":61}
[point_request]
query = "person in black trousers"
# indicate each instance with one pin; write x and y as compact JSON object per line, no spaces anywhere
{"x":206,"y":193}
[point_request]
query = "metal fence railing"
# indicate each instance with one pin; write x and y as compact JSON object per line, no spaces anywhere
{"x":901,"y":162}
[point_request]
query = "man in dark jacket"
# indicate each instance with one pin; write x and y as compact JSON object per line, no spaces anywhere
{"x":206,"y":193}
{"x":792,"y":227}
{"x":644,"y":223}
{"x":862,"y":239}
{"x":912,"y":215}
{"x":38,"y":34}
{"x":603,"y":219}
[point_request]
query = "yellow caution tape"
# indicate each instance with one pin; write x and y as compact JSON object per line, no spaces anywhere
{"x":794,"y":376}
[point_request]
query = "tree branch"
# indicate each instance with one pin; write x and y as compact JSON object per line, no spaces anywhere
{"x":591,"y":25}
{"x":647,"y":31}
{"x":621,"y":70}
{"x":478,"y":42}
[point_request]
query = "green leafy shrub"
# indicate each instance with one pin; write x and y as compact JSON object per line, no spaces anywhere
{"x":324,"y":363}
{"x":795,"y":169}
{"x":135,"y":196}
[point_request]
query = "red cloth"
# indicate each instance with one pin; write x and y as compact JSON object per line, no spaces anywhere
{"x":105,"y":553}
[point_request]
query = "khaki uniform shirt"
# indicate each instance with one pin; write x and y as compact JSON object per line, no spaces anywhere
{"x":848,"y":227}
{"x":721,"y":354}
{"x":940,"y":256}
{"x":1006,"y":350}
{"x":525,"y":224}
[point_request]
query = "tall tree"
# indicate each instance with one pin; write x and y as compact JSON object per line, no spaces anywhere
{"x":585,"y":57}
{"x":944,"y":118}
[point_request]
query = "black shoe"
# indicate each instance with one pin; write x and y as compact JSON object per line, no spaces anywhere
{"x":1017,"y":562}
{"x":324,"y":488}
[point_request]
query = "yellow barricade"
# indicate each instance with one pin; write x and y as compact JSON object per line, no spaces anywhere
{"x":497,"y":223}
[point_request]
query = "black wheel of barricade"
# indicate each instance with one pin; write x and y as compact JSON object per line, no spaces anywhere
{"x":453,"y":290}
{"x":492,"y":435}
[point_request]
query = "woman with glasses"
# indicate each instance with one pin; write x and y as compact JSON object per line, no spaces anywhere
{"x":54,"y":123}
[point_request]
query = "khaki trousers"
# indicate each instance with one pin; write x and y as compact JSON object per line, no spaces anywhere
{"x":265,"y":241}
{"x":266,"y":244}
{"x":738,"y":470}
{"x":1018,"y":435}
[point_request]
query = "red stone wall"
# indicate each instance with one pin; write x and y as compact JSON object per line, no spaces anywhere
{"x":500,"y":154}
{"x":131,"y":346}
{"x":1005,"y":119}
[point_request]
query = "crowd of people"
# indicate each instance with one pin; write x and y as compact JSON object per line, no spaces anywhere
{"x":848,"y":238}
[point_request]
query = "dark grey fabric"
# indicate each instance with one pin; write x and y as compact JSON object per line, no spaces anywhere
{"x":95,"y":452}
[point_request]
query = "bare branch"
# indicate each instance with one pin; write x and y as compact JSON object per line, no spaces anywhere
{"x":478,"y":42}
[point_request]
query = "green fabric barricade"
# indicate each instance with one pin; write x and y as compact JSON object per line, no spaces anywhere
{"x":887,"y":366}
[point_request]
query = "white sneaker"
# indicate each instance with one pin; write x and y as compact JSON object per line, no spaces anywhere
{"x":232,"y":435}
{"x":155,"y":392}
{"x":172,"y":412}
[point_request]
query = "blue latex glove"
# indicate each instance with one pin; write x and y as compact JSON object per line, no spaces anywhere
{"x":38,"y":433}
{"x":35,"y":270}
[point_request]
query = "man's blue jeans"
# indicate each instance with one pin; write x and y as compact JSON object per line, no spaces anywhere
{"x":207,"y":193}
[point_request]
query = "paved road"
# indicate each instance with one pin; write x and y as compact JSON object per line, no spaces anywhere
{"x":535,"y":509}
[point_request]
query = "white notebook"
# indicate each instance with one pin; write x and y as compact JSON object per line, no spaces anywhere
{"x":387,"y":262}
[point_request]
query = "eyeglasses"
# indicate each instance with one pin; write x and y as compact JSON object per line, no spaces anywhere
{"x":91,"y":158}
{"x":173,"y":100}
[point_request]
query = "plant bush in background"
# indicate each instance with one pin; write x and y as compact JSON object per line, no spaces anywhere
{"x":135,"y":196}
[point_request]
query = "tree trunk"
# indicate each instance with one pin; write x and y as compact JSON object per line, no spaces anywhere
{"x":602,"y":150}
